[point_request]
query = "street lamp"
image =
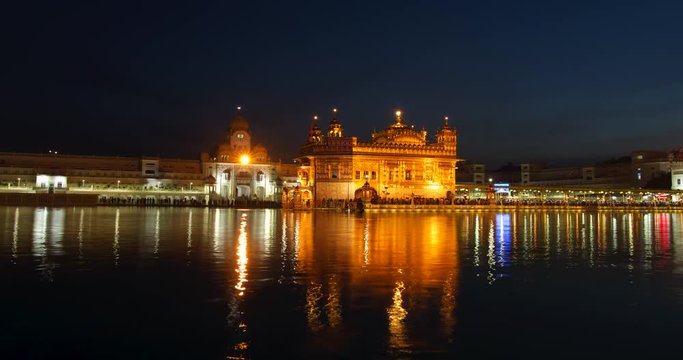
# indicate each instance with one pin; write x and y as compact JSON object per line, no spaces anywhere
{"x":190,"y":186}
{"x":18,"y":182}
{"x":118,"y":184}
{"x":82,"y":183}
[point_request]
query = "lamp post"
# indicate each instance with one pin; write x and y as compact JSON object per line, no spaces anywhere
{"x":118,"y":184}
{"x":18,"y":182}
{"x":190,"y":186}
{"x":82,"y":183}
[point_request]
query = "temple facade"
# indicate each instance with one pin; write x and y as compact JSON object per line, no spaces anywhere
{"x":237,"y":170}
{"x":398,"y":162}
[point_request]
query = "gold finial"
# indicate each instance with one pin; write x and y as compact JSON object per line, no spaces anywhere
{"x":398,"y":116}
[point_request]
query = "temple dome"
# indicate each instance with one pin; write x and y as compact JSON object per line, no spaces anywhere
{"x":239,"y":122}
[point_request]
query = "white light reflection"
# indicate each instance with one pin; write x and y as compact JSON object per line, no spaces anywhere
{"x":491,"y":254}
{"x":15,"y":236}
{"x":56,"y":231}
{"x":647,"y":241}
{"x":268,"y":229}
{"x":115,"y":246}
{"x":39,"y":245}
{"x":477,"y":240}
{"x":189,"y":236}
{"x":80,"y":234}
{"x":157,"y":237}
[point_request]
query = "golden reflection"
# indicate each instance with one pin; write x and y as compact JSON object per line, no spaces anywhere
{"x":313,"y":296}
{"x":333,"y":306}
{"x":235,"y":317}
{"x":366,"y":240}
{"x":242,"y":259}
{"x":398,"y":338}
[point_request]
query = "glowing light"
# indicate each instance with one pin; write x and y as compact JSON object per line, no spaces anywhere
{"x":445,"y":117}
{"x":334,"y":110}
{"x":315,"y":117}
{"x":398,"y":112}
{"x":242,"y":258}
{"x":244,"y":159}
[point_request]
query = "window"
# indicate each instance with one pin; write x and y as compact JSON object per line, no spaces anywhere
{"x":678,"y":181}
{"x":226,"y":175}
{"x":259,"y":176}
{"x":240,"y":136}
{"x":374,"y":175}
{"x":357,"y":175}
{"x":366,"y":175}
{"x":408,"y":175}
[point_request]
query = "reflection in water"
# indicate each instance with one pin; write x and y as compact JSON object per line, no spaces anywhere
{"x":398,"y":340}
{"x":333,"y":277}
{"x":366,"y":240}
{"x":333,"y":306}
{"x":40,"y":232}
{"x":447,"y":310}
{"x":117,"y":235}
{"x":15,"y":236}
{"x":236,"y":319}
{"x":188,"y":252}
{"x":313,"y":295}
{"x":157,"y":229}
{"x":242,"y":256}
{"x":80,"y":234}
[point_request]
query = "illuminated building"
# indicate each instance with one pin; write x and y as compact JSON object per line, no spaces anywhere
{"x":398,"y":162}
{"x":239,"y":171}
{"x":235,"y":171}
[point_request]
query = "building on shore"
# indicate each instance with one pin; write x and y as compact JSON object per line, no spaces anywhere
{"x":642,"y":169}
{"x":398,"y":162}
{"x":235,"y":172}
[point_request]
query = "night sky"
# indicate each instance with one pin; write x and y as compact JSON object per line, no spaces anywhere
{"x":521,"y":80}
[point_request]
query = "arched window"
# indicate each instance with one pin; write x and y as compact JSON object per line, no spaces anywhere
{"x":226,"y":175}
{"x":259,"y":176}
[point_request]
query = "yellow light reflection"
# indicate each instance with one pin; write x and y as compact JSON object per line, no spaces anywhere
{"x":333,"y":306}
{"x":313,"y":296}
{"x":397,"y":315}
{"x":242,"y":256}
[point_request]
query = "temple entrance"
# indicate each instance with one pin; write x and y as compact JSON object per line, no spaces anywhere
{"x":243,"y":191}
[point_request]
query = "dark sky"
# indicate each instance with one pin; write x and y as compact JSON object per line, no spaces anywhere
{"x":521,"y":80}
